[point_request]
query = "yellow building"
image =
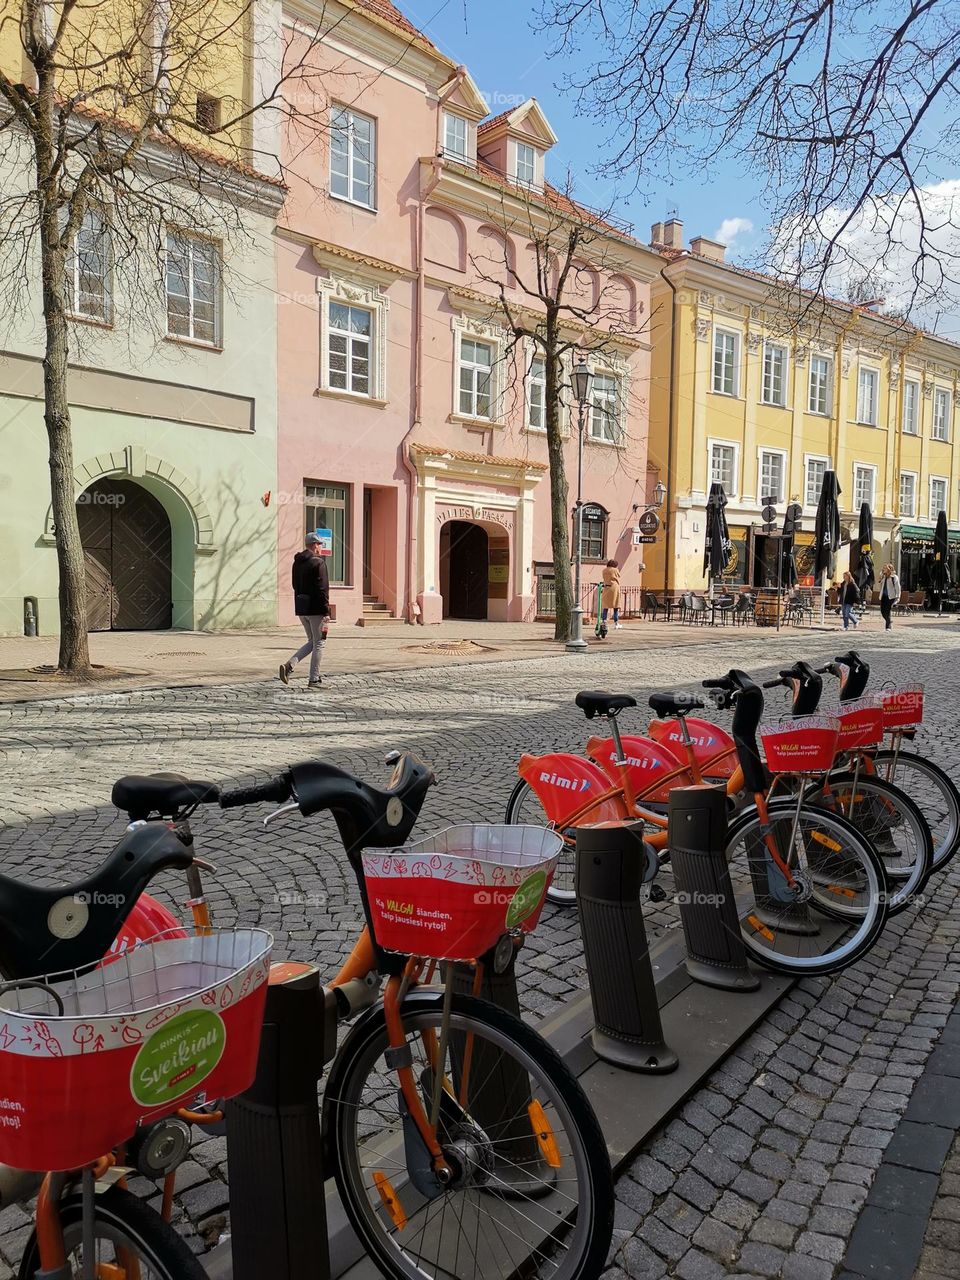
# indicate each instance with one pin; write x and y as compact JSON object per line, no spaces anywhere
{"x":763,"y":391}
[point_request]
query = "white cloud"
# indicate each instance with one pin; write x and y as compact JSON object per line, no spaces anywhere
{"x":730,"y":228}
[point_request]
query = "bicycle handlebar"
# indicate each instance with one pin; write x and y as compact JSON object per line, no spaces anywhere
{"x":720,"y":683}
{"x":277,"y":789}
{"x":772,"y":684}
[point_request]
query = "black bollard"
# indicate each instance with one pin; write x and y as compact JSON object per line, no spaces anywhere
{"x":278,"y":1225}
{"x":708,"y":909}
{"x":610,"y":871}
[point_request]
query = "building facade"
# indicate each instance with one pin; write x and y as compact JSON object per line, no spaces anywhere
{"x":412,"y":414}
{"x":763,"y":393}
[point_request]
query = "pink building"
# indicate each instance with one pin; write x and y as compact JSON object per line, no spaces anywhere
{"x":411,"y":420}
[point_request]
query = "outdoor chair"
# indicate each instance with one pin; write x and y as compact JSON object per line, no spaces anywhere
{"x":743,"y":613}
{"x":724,"y":607}
{"x":697,"y":610}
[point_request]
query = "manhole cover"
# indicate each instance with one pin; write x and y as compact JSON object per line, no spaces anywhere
{"x":450,"y":646}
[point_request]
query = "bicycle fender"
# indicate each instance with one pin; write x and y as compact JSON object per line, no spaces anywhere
{"x":565,"y":783}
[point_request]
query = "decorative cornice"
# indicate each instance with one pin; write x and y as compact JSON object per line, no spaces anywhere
{"x":336,"y":257}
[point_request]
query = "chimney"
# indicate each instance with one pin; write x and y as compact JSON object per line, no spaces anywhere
{"x":673,"y":234}
{"x":656,"y":235}
{"x":705,"y":248}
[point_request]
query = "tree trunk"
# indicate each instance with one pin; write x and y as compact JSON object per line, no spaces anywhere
{"x":74,"y":656}
{"x":559,"y":497}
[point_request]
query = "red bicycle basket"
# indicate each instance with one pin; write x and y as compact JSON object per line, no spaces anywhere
{"x":861,"y":724}
{"x":453,"y":895}
{"x":173,"y":1023}
{"x":902,"y":708}
{"x":805,"y":744}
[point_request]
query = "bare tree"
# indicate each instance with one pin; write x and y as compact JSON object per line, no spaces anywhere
{"x":137,"y":116}
{"x":559,"y":300}
{"x":851,"y":113}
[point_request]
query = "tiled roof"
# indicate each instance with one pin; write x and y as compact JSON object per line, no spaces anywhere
{"x":390,"y":13}
{"x":441,"y":451}
{"x":494,"y":121}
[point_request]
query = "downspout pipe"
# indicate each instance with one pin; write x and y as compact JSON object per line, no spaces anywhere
{"x":671,"y":428}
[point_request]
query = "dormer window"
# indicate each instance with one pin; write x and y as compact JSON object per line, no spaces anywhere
{"x":455,"y":136}
{"x":526,"y":164}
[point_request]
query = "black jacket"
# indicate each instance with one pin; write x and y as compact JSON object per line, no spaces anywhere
{"x":311,"y":585}
{"x":849,"y":593}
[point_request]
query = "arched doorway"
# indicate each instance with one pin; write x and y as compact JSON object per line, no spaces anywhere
{"x":125,"y":533}
{"x":464,"y":560}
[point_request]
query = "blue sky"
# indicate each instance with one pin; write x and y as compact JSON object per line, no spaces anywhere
{"x":507,"y":59}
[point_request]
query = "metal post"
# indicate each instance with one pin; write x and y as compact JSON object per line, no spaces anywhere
{"x":610,"y":872}
{"x":708,"y":910}
{"x":576,"y":643}
{"x":277,"y":1217}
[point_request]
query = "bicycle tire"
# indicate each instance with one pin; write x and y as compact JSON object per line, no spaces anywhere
{"x":946,"y":842}
{"x":361,"y":1057}
{"x":561,"y":892}
{"x":867,"y":924}
{"x":119,"y":1212}
{"x":873,"y":819}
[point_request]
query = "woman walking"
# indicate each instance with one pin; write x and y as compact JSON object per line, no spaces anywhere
{"x":849,"y":599}
{"x":889,"y":594}
{"x":610,"y":595}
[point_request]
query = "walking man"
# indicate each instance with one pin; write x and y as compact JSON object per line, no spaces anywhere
{"x":849,"y":599}
{"x":311,"y":599}
{"x":889,"y":594}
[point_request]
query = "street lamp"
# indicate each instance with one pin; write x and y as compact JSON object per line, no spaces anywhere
{"x":659,"y":494}
{"x":582,"y":381}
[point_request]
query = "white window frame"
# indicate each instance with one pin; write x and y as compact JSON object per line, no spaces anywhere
{"x":521,"y":149}
{"x":945,"y":481}
{"x":368,"y":297}
{"x":356,"y":345}
{"x":454,"y":153}
{"x":874,"y":374}
{"x":617,"y":377}
{"x":72,"y":268}
{"x":534,"y":356}
{"x":475,"y":330}
{"x":337,"y":109}
{"x":766,"y":375}
{"x":941,"y":431}
{"x":807,"y":459}
{"x":912,"y":513}
{"x":773,"y":453}
{"x":715,"y":442}
{"x":719,"y":331}
{"x":191,"y":239}
{"x":910,"y":427}
{"x":827,"y":410}
{"x":872,"y":499}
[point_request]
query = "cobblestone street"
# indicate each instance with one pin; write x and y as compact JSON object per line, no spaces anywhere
{"x":765,"y":1171}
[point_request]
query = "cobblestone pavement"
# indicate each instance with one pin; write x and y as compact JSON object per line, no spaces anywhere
{"x":764,"y":1170}
{"x":940,"y":1259}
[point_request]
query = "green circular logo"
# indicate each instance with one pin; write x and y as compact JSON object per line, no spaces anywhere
{"x":177,"y":1057}
{"x":527,"y":898}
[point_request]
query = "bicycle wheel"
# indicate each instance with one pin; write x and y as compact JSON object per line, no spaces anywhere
{"x":532,"y":1192}
{"x":132,"y":1239}
{"x":836,"y":873}
{"x":524,"y":808}
{"x":933,"y":791}
{"x":893,"y":824}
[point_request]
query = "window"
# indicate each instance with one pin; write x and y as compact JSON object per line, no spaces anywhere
{"x":537,"y":395}
{"x":348,"y":348}
{"x":938,"y":496}
{"x":908,"y":495}
{"x":868,"y":384}
{"x":723,"y":466}
{"x":821,"y":368}
{"x":193,"y":288}
{"x":88,"y":268}
{"x":526,"y":164}
{"x":773,"y":465}
{"x":327,"y":506}
{"x":864,"y":484}
{"x":941,"y":414}
{"x":208,"y":113}
{"x":726,"y":348}
{"x":454,"y":136}
{"x":605,"y":408}
{"x":352,"y":156}
{"x":593,"y":531}
{"x":774,"y":374}
{"x":911,"y":406}
{"x":476,"y":363}
{"x":816,"y":468}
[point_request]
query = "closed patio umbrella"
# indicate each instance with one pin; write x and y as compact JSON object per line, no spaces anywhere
{"x":717,"y":547}
{"x":827,"y":535}
{"x":940,"y":570}
{"x":866,"y":575}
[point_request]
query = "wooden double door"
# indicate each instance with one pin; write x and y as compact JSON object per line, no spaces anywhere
{"x":126,"y":540}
